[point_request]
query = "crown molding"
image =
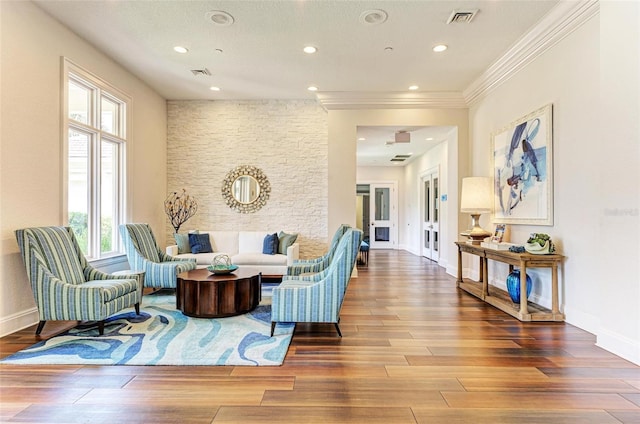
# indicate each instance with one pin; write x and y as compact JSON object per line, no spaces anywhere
{"x":561,"y":21}
{"x":334,"y":100}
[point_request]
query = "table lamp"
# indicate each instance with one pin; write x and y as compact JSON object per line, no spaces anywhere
{"x":476,"y":200}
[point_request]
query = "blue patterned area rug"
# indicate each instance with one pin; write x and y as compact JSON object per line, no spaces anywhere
{"x":162,"y":335}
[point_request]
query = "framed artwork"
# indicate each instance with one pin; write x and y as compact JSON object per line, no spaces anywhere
{"x":523,"y":170}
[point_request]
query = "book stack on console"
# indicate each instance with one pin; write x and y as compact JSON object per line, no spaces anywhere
{"x":497,"y":246}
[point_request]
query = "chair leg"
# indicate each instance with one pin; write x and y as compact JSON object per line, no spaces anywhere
{"x":338,"y":329}
{"x":40,"y":327}
{"x":101,"y":327}
{"x":137,"y":306}
{"x":273,"y":327}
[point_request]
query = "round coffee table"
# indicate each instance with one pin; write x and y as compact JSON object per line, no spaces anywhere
{"x":201,"y":294}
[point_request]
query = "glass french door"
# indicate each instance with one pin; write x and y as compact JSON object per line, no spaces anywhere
{"x":431,"y":216}
{"x":381,"y":206}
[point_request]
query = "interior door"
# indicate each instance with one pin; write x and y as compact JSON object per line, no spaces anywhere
{"x":382,"y":214}
{"x":431,"y":216}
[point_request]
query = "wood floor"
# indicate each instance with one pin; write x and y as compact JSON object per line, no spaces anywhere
{"x":415,"y":350}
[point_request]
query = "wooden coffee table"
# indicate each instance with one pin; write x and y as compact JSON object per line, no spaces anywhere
{"x":201,"y":294}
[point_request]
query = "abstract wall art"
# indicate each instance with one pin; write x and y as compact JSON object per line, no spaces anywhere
{"x":522,"y":157}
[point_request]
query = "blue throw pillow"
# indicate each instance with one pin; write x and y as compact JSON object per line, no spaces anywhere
{"x":182,"y":240}
{"x":200,"y":243}
{"x":270,"y":244}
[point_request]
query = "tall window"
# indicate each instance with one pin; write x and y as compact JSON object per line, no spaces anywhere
{"x":96,"y":121}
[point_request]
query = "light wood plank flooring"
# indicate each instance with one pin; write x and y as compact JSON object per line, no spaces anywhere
{"x":415,"y":350}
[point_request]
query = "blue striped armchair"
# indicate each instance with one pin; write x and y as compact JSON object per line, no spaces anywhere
{"x":143,"y":253}
{"x":65,"y":287}
{"x":304,"y":266}
{"x":318,"y":297}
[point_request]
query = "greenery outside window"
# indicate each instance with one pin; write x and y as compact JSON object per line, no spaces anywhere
{"x":95,"y":121}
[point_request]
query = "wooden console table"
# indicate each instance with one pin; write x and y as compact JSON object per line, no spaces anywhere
{"x":527,"y":311}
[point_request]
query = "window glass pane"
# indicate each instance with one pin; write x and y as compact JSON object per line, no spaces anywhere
{"x":108,"y":196}
{"x":79,"y":102}
{"x":382,"y":204}
{"x":78,"y":190}
{"x":109,"y":116}
{"x":427,"y":202}
{"x":436,"y":204}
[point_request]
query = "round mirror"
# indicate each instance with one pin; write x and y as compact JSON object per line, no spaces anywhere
{"x":246,"y":189}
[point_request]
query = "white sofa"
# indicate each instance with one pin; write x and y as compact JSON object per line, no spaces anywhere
{"x":245,"y":250}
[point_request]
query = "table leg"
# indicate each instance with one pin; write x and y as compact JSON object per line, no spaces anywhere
{"x":524,"y":310}
{"x":484,"y":270}
{"x":459,"y":280}
{"x":555,"y":308}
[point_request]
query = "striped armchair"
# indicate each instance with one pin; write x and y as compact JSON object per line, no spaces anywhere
{"x":65,"y":287}
{"x":143,"y":253}
{"x":304,"y":266}
{"x":318,"y":297}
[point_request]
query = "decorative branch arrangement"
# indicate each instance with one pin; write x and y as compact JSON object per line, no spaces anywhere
{"x":179,"y":207}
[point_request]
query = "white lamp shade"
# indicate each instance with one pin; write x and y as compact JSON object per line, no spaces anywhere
{"x":476,"y":195}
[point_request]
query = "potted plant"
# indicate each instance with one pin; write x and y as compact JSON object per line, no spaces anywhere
{"x":539,"y":244}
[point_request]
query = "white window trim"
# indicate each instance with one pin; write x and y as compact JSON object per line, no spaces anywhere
{"x":69,"y":67}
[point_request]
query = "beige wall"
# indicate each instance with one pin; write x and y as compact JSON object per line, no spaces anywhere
{"x":286,"y":139}
{"x":30,"y":164}
{"x":595,"y":95}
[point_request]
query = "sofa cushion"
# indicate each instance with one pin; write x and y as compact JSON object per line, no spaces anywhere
{"x":258,"y":259}
{"x":200,"y":243}
{"x":270,"y":244}
{"x":250,"y":241}
{"x":284,"y":241}
{"x":224,"y":241}
{"x":182,"y":240}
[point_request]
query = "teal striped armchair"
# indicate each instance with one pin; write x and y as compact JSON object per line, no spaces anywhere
{"x":318,"y":297}
{"x":65,"y":287}
{"x":305,"y":266}
{"x":143,"y":253}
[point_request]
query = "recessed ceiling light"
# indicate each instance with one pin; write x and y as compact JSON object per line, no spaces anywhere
{"x":413,"y":87}
{"x":213,"y":88}
{"x":361,"y":139}
{"x":309,"y":49}
{"x":180,"y":49}
{"x":219,"y":17}
{"x":312,"y":88}
{"x":440,"y":48}
{"x":429,"y":138}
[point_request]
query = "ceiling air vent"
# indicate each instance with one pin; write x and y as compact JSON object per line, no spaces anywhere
{"x":462,"y":16}
{"x":400,"y":158}
{"x":203,"y":71}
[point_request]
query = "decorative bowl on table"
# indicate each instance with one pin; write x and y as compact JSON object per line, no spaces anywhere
{"x":221,"y":264}
{"x":539,"y":244}
{"x":222,"y":269}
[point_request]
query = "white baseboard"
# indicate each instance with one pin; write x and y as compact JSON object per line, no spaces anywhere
{"x":18,"y":321}
{"x":619,"y":345}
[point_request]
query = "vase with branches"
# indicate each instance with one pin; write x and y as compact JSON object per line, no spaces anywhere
{"x":179,"y":207}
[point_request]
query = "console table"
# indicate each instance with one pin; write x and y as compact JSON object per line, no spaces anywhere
{"x":526,"y":311}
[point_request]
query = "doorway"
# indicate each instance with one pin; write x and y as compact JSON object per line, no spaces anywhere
{"x":376,"y":214}
{"x":430,"y":234}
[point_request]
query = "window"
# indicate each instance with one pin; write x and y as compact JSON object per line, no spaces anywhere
{"x":95,"y":116}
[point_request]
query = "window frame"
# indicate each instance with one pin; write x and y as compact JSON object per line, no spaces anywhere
{"x":99,"y":90}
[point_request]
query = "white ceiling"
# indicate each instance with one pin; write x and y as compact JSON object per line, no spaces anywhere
{"x":260,"y":55}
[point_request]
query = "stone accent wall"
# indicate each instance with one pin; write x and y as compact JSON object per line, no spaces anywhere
{"x":286,"y":139}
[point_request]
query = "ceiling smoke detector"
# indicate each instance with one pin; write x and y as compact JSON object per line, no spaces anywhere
{"x":203,"y":72}
{"x":219,"y":17}
{"x":462,"y":16}
{"x":373,"y":17}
